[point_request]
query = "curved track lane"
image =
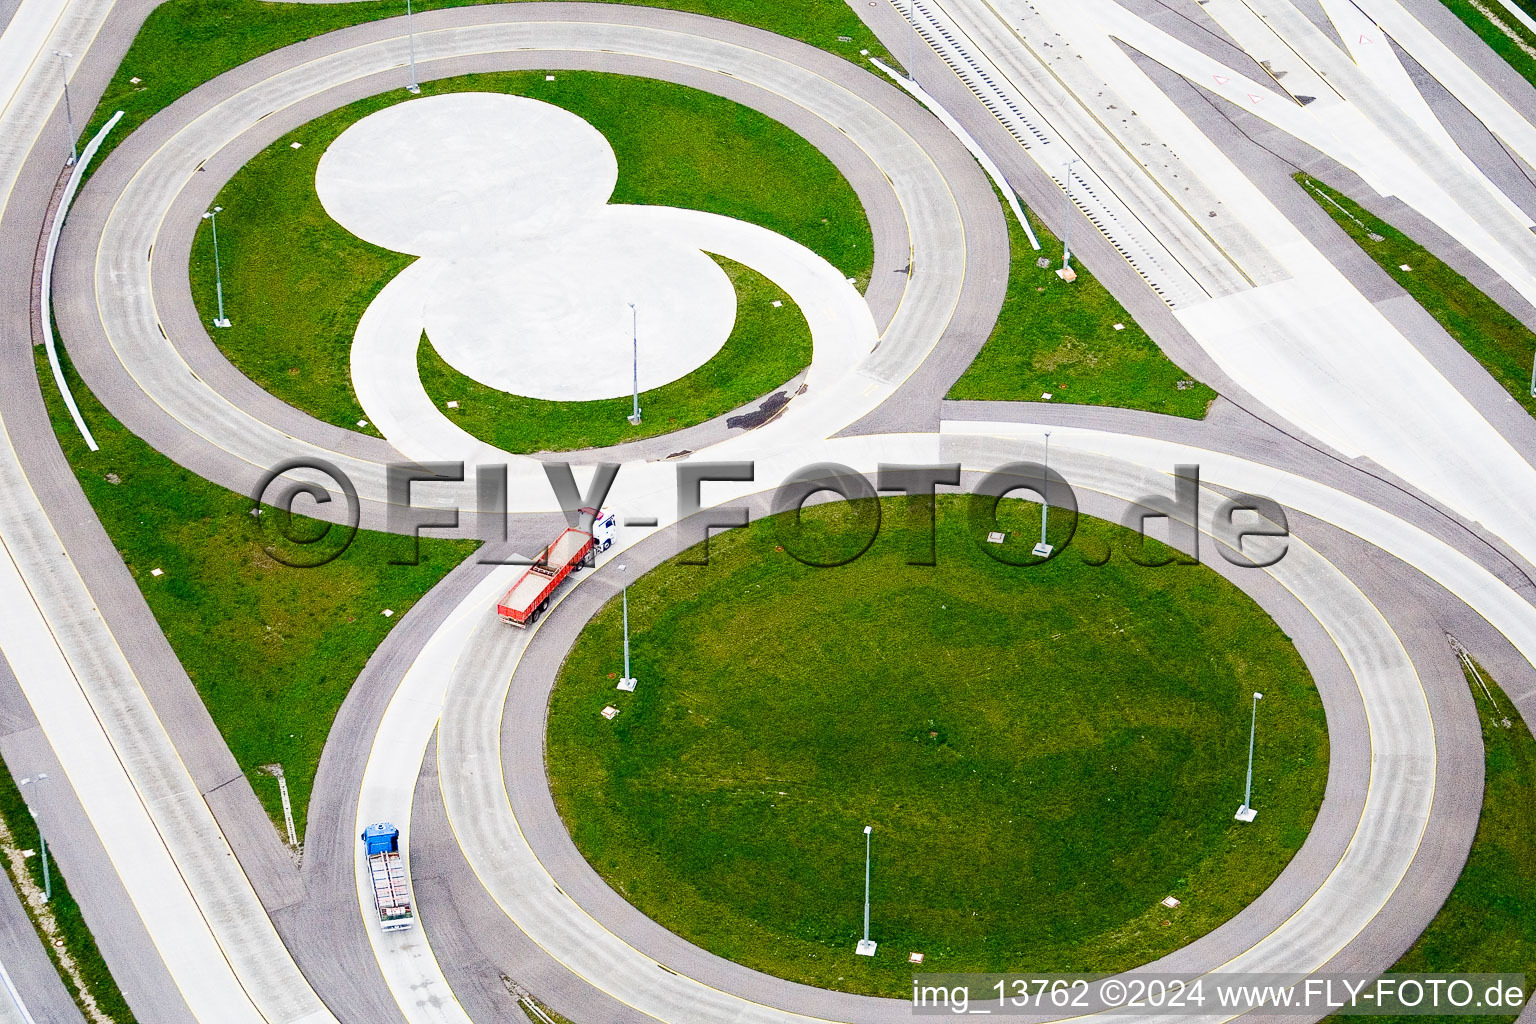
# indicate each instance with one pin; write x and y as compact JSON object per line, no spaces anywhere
{"x":125,"y":307}
{"x":1353,"y":877}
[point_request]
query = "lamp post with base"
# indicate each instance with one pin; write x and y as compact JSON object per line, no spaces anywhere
{"x":634,"y":338}
{"x":1066,"y":273}
{"x":1044,"y":548}
{"x":410,"y":38}
{"x":628,"y":682}
{"x":1246,"y":812}
{"x":917,"y":39}
{"x":69,"y":114}
{"x":212,"y":217}
{"x":866,"y":946}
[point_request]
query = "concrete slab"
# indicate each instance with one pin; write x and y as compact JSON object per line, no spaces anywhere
{"x":842,"y":334}
{"x":465,"y":174}
{"x":553,"y":320}
{"x":528,"y":277}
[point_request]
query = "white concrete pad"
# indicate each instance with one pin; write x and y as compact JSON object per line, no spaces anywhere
{"x":527,"y":276}
{"x":553,"y":321}
{"x":842,"y":335}
{"x":465,"y":173}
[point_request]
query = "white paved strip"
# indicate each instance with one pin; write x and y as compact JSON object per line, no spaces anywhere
{"x":1372,"y":120}
{"x":1519,"y":13}
{"x":1321,"y":356}
{"x":1379,"y":62}
{"x":1287,"y":69}
{"x":45,"y":295}
{"x":1225,"y":252}
{"x":1421,"y":165}
{"x":1512,"y":126}
{"x":26,"y":47}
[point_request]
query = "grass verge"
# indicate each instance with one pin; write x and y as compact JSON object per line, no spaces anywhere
{"x":767,"y":347}
{"x":1488,"y":923}
{"x":273,"y":650}
{"x":184,"y":43}
{"x":1060,"y":339}
{"x":59,"y":924}
{"x":1488,"y":331}
{"x":296,"y":283}
{"x":1045,"y":753}
{"x":1501,"y":30}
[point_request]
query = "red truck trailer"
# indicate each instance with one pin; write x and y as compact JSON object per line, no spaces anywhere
{"x":526,"y":600}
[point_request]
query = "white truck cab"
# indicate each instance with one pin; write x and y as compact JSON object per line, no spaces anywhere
{"x":605,"y":528}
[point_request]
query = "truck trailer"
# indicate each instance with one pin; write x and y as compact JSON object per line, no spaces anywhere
{"x":527,"y":598}
{"x":391,"y":886}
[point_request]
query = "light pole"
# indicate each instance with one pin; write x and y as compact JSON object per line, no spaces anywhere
{"x":1533,"y":376}
{"x":69,"y":114}
{"x":1044,"y":548}
{"x":865,"y":946}
{"x":1246,"y":812}
{"x":628,"y":682}
{"x":916,"y":38}
{"x":42,"y":840}
{"x":634,"y":326}
{"x":1066,"y":234}
{"x":410,"y":38}
{"x":212,"y":217}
